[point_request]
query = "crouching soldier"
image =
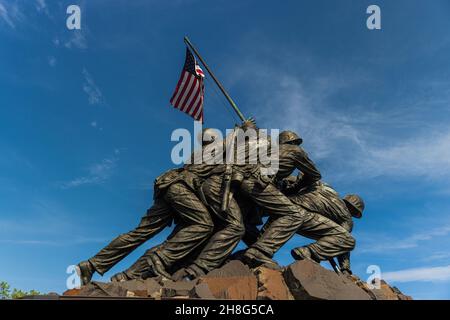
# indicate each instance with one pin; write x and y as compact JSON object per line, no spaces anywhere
{"x":175,"y":198}
{"x":323,"y":200}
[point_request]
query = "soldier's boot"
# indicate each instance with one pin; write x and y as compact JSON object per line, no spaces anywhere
{"x":188,"y":273}
{"x":194,"y":272}
{"x":303,"y":253}
{"x":157,"y":266}
{"x":255,"y":258}
{"x":180,"y":275}
{"x":120,"y":277}
{"x":85,"y":271}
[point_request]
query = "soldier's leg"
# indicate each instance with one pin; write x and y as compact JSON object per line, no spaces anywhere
{"x":332,"y":239}
{"x":251,"y":235}
{"x":141,"y":268}
{"x":344,"y":262}
{"x":197,"y":224}
{"x":230,"y":229}
{"x":157,"y":218}
{"x":286,"y":216}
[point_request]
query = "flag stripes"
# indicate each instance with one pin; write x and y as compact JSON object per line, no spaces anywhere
{"x":189,"y":93}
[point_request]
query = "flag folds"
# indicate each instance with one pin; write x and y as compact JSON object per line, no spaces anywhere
{"x":189,"y":92}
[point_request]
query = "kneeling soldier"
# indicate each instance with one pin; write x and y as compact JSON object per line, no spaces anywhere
{"x":323,"y":200}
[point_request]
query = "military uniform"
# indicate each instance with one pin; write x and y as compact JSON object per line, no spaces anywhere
{"x":174,"y":198}
{"x":229,"y":229}
{"x":325,"y":201}
{"x":188,"y":233}
{"x":286,"y":217}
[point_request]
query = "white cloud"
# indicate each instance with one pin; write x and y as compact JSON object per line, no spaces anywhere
{"x":376,"y":243}
{"x":59,"y":242}
{"x":41,"y":6}
{"x":10,"y":13}
{"x":93,"y":92}
{"x":432,"y":274}
{"x":437,"y":256}
{"x":4,"y":15}
{"x":305,"y":111}
{"x":355,"y":142}
{"x":52,"y":61}
{"x":76,"y":40}
{"x":427,"y":156}
{"x":97,"y":174}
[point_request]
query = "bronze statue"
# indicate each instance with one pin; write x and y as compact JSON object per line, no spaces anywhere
{"x":207,"y":230}
{"x":325,"y":201}
{"x":285,"y":216}
{"x":174,"y":199}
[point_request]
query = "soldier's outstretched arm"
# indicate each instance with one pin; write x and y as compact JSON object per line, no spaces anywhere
{"x":304,"y":164}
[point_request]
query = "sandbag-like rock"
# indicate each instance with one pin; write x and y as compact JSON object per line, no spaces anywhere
{"x":99,"y":289}
{"x":386,"y":292}
{"x":234,"y":268}
{"x":201,"y":291}
{"x":271,"y":285}
{"x":307,"y":280}
{"x":235,"y":288}
{"x":133,"y":288}
{"x":234,"y":280}
{"x":179,"y":288}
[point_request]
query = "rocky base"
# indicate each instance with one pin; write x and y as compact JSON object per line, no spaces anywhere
{"x":302,"y":280}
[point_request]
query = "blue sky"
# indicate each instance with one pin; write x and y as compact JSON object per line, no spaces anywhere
{"x":85,"y":122}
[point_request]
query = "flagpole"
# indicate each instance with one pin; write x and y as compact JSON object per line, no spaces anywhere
{"x":225,"y":93}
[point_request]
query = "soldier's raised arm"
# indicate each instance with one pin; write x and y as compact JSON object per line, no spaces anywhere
{"x":304,"y":164}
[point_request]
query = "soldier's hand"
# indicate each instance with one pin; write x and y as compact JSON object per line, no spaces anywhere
{"x":249,"y":123}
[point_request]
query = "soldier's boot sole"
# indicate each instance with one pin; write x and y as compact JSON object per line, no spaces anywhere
{"x":85,"y":271}
{"x":158,"y":267}
{"x":255,"y":258}
{"x":302,"y":253}
{"x":119,"y":277}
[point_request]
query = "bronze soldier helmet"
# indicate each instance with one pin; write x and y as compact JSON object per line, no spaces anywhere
{"x":290,"y":137}
{"x":355,"y":204}
{"x":207,"y":136}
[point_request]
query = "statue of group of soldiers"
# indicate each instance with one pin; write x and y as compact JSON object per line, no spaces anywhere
{"x":209,"y":225}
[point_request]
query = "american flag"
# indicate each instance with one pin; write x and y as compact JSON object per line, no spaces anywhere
{"x":189,"y":92}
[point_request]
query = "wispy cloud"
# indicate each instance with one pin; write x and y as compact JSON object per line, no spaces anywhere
{"x":324,"y":128}
{"x":56,"y":242}
{"x":43,"y":221}
{"x":427,"y":156}
{"x":76,"y":40}
{"x":13,"y":12}
{"x":355,"y":142}
{"x":375,"y":243}
{"x":51,"y":61}
{"x":10,"y":13}
{"x":437,"y":256}
{"x":97,"y":173}
{"x":93,"y":92}
{"x":41,"y":6}
{"x":433,"y":274}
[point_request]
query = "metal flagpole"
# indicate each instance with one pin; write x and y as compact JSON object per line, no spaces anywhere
{"x":225,"y":93}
